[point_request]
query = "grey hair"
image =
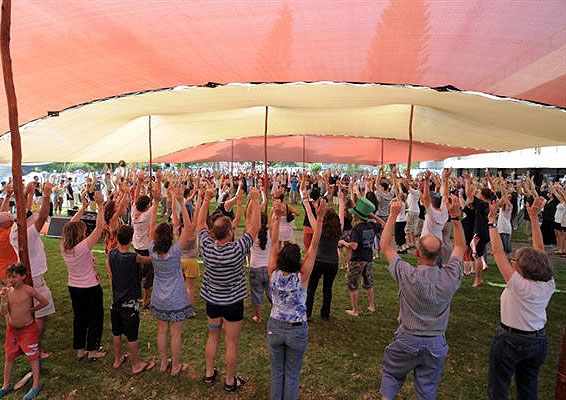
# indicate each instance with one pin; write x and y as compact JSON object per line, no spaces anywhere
{"x":534,"y":264}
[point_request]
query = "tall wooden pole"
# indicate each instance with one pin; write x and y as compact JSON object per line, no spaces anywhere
{"x":15,"y":138}
{"x":150,"y":156}
{"x":561,"y":374}
{"x":382,"y":146}
{"x":231,"y":158}
{"x":304,"y":154}
{"x":410,"y":141}
{"x":265,"y":154}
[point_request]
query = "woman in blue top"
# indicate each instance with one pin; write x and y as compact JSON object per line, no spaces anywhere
{"x":170,"y":303}
{"x":287,"y":326}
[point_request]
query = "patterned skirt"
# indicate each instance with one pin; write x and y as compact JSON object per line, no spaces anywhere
{"x":173,"y":315}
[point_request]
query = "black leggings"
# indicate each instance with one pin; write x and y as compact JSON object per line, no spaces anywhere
{"x":88,"y":318}
{"x":328,"y":272}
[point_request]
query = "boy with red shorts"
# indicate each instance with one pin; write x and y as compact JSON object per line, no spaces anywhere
{"x":21,"y":328}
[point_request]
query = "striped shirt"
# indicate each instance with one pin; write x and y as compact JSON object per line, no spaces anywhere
{"x":425,"y":293}
{"x":224,"y":279}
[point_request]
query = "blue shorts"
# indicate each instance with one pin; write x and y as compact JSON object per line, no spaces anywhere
{"x":421,"y":354}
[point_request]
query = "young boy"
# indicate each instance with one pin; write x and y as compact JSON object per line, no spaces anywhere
{"x":126,"y":297}
{"x":21,"y":328}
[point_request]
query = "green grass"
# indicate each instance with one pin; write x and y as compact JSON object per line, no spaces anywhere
{"x":342,"y":358}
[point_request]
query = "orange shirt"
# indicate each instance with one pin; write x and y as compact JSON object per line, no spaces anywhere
{"x":7,"y":254}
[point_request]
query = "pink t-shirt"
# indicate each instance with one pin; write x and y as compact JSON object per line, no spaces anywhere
{"x":80,"y":266}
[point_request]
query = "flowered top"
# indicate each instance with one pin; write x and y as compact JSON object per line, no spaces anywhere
{"x":289,"y":297}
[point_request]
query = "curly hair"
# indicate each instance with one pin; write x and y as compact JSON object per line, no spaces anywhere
{"x":534,"y":264}
{"x":289,"y":258}
{"x":142,"y":203}
{"x":163,"y":238}
{"x":331,"y":229}
{"x":262,"y":235}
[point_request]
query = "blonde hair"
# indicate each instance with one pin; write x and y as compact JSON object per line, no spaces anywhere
{"x":73,"y":233}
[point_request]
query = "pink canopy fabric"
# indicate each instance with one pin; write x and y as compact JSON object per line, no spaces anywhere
{"x":67,"y":53}
{"x":329,"y":149}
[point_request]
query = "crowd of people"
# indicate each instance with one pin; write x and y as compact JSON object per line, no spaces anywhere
{"x":449,"y":220}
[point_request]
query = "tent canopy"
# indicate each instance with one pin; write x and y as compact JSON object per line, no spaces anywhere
{"x":70,"y":53}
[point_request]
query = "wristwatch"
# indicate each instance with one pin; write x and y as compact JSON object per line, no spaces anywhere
{"x":492,"y":225}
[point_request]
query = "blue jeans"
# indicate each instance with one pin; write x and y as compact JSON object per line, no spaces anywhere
{"x":423,"y":355}
{"x":287,"y":345}
{"x":514,"y":353}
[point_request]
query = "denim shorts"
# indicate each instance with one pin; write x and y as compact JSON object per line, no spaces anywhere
{"x":259,"y":283}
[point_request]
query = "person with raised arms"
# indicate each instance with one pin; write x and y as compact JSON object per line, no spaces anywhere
{"x":425,"y":293}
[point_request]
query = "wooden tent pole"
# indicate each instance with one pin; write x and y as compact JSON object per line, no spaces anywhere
{"x":231,"y":159}
{"x":410,"y":141}
{"x":265,"y":155}
{"x":150,"y":156}
{"x":15,"y":138}
{"x":382,"y":145}
{"x":304,"y":154}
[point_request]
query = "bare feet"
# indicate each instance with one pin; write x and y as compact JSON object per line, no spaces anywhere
{"x":142,"y":366}
{"x":256,"y":318}
{"x":95,"y":355}
{"x":352,"y":313}
{"x":477,"y":283}
{"x":118,"y":363}
{"x":371,"y":309}
{"x":180,"y":368}
{"x":165,"y":366}
{"x":81,"y":354}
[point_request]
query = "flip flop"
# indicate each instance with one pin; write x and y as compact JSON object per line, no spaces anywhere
{"x":122,"y":361}
{"x":182,"y":367}
{"x":238,"y":382}
{"x":22,"y":382}
{"x":209,"y":380}
{"x":146,"y":367}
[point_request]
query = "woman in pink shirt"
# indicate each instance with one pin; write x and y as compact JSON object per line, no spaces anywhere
{"x":83,"y":282}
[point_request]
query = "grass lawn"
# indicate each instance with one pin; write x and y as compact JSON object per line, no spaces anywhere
{"x":342,"y":358}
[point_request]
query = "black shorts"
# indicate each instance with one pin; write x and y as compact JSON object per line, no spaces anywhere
{"x":125,"y":321}
{"x":230,"y":312}
{"x":146,"y":270}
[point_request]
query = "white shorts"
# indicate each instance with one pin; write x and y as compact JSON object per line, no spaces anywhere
{"x":40,"y":285}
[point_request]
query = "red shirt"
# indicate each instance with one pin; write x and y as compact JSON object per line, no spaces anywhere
{"x":8,"y":255}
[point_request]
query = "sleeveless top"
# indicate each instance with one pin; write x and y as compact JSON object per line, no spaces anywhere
{"x":289,"y":297}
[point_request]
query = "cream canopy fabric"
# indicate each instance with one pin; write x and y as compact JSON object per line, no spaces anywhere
{"x":71,"y":52}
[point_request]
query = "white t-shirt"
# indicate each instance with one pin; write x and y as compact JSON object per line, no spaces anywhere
{"x":560,"y":212}
{"x":36,"y":250}
{"x":413,"y":200}
{"x":258,"y":257}
{"x":140,"y":223}
{"x":402,"y":217}
{"x":434,"y":221}
{"x":120,"y":172}
{"x":504,"y":221}
{"x":523,"y":303}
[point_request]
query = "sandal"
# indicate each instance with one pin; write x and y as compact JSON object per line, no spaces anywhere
{"x":238,"y":381}
{"x":209,"y":380}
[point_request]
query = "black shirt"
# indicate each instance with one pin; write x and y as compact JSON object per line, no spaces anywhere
{"x":364,"y":234}
{"x":306,"y":221}
{"x":482,"y":211}
{"x":126,"y":276}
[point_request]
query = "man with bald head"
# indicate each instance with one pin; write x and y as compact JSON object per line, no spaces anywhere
{"x":425,"y":293}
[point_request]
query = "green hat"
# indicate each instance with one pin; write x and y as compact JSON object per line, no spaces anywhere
{"x":363,"y":208}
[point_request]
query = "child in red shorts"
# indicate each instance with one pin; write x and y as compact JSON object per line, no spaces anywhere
{"x":21,"y":328}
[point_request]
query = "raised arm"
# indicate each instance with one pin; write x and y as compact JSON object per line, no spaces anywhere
{"x":97,"y":232}
{"x":253,"y":219}
{"x":45,"y":205}
{"x":341,"y":208}
{"x":387,"y":234}
{"x":6,"y":203}
{"x":458,"y":231}
{"x":310,"y":256}
{"x":84,"y":206}
{"x":533,"y":211}
{"x":312,"y":219}
{"x":240,"y":201}
{"x":203,"y":213}
{"x":188,"y":232}
{"x":274,"y":234}
{"x":501,"y":259}
{"x":426,"y":190}
{"x":446,"y":185}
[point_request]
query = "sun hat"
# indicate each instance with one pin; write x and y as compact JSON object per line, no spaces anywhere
{"x":363,"y":208}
